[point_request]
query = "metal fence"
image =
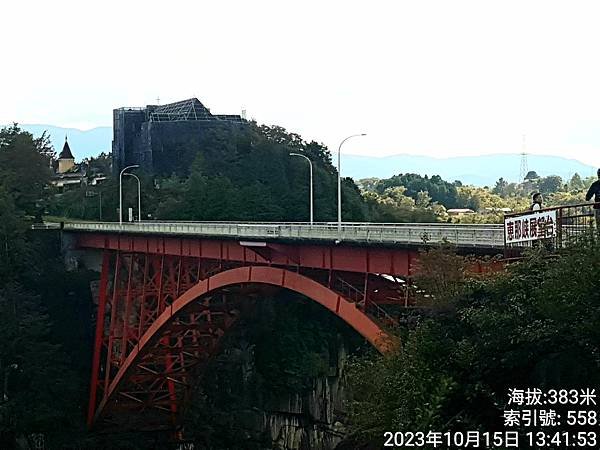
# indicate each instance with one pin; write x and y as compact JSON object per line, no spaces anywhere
{"x":552,"y":228}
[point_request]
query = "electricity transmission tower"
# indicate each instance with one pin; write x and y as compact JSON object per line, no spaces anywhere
{"x":524,"y":167}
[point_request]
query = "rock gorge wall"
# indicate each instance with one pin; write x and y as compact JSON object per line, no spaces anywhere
{"x":278,"y":388}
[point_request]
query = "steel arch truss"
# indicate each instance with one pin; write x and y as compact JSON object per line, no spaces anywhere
{"x":161,"y":318}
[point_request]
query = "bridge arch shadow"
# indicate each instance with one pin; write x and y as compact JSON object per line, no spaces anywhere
{"x":247,"y":275}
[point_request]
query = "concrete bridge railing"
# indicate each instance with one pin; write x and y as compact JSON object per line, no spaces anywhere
{"x":484,"y":236}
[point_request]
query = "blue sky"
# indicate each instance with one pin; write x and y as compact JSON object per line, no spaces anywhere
{"x":440,"y":78}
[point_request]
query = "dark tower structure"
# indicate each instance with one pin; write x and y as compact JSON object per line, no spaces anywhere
{"x":66,"y":160}
{"x":164,"y":139}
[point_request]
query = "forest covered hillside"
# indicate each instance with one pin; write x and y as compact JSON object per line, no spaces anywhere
{"x":469,"y":340}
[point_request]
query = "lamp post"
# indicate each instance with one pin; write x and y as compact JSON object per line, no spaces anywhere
{"x":311,"y":183}
{"x":121,"y":191}
{"x":340,"y":183}
{"x":139,"y":194}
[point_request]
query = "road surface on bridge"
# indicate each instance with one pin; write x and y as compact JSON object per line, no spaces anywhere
{"x":490,"y":236}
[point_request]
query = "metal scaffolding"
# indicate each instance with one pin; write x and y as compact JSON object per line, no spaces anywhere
{"x":187,"y":110}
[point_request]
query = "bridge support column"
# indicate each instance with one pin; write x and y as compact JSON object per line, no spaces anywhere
{"x":365,"y":293}
{"x":99,"y":336}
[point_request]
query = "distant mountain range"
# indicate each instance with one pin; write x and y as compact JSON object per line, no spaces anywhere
{"x":83,"y":144}
{"x":481,"y":170}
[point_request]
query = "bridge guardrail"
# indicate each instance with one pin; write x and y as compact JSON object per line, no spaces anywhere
{"x":487,"y":236}
{"x":550,"y":227}
{"x":45,"y":226}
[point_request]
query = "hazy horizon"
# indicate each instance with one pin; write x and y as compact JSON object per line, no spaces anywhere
{"x":349,"y":152}
{"x":479,"y":170}
{"x":433,"y":78}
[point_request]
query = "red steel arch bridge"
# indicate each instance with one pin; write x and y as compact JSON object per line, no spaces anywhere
{"x":170,"y":291}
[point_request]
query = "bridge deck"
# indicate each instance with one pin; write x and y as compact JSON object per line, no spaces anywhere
{"x":471,"y":236}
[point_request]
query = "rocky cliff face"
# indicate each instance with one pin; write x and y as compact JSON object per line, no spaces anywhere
{"x":313,"y":419}
{"x":254,"y":396}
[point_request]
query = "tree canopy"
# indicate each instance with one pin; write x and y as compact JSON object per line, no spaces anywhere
{"x":24,"y":167}
{"x":43,"y":355}
{"x":535,"y":326}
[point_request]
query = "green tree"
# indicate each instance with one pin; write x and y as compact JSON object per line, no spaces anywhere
{"x":394,"y":206}
{"x":536,"y":325}
{"x":42,"y":381}
{"x":170,"y":198}
{"x":531,"y":176}
{"x":13,"y":250}
{"x":439,"y":190}
{"x":101,"y":164}
{"x":550,"y":184}
{"x":565,"y":198}
{"x":24,"y":167}
{"x":423,"y":199}
{"x":398,"y":196}
{"x":501,"y":187}
{"x":576,"y":183}
{"x":368,"y":184}
{"x":209,"y":198}
{"x":41,"y":388}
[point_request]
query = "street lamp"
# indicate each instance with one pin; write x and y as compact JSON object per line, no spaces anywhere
{"x":340,"y":184}
{"x":139,"y":194}
{"x":311,"y":183}
{"x":121,"y":191}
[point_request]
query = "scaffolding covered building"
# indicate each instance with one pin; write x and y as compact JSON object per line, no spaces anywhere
{"x":164,"y":139}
